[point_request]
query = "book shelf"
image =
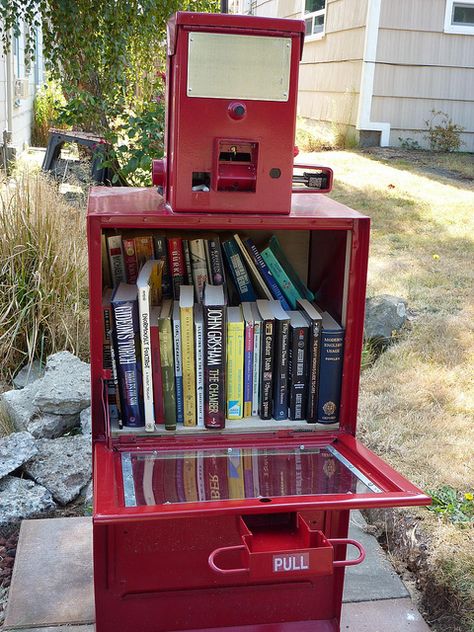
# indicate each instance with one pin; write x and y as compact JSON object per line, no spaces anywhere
{"x":190,"y":563}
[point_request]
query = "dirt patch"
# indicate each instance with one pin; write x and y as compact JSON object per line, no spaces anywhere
{"x":408,"y":543}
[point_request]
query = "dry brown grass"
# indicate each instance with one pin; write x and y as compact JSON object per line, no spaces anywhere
{"x":417,"y":399}
{"x":43,"y":272}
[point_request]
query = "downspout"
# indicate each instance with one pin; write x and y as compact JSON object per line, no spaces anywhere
{"x":368,"y":75}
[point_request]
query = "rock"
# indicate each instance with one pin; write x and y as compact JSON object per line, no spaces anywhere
{"x":15,"y":449}
{"x":86,"y":421}
{"x":65,"y":388}
{"x":21,"y":498}
{"x":19,"y":404}
{"x":63,"y":466}
{"x":48,"y":426}
{"x":88,"y":496}
{"x":28,"y":374}
{"x":385,"y":315}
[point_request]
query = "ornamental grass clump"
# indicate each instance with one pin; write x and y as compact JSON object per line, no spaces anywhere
{"x":43,"y":273}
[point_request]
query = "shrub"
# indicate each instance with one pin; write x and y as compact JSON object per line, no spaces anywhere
{"x":443,"y":134}
{"x":43,"y":273}
{"x":46,"y":108}
{"x":409,"y":143}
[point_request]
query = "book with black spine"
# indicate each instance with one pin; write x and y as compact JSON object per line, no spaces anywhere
{"x":280,"y":363}
{"x":214,"y":312}
{"x":297,"y":369}
{"x":267,"y":352}
{"x":315,"y":319}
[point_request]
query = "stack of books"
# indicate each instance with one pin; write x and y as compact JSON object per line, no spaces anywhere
{"x":200,"y":331}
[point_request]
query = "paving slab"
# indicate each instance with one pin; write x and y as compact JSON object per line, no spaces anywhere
{"x":375,"y":578}
{"x":388,"y":615}
{"x":52,"y":578}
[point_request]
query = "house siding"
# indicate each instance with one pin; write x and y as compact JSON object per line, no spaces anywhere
{"x":419,"y":69}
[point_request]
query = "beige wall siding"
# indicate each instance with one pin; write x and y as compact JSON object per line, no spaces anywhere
{"x":420,"y":68}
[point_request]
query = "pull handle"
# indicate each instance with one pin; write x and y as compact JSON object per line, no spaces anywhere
{"x":358,"y":545}
{"x":306,"y":179}
{"x":226,"y":571}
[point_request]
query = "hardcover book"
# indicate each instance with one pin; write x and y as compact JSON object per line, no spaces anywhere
{"x":277,"y":250}
{"x":266,"y":363}
{"x":144,"y":249}
{"x":257,"y":279}
{"x":108,"y":356}
{"x":314,"y":318}
{"x":127,"y":341}
{"x":177,"y":265}
{"x":297,"y":368}
{"x":214,"y":356}
{"x":178,"y":362}
{"x":198,"y":266}
{"x":106,"y":278}
{"x":199,"y":350}
{"x":214,"y":260}
{"x":266,"y":274}
{"x":130,"y":259}
{"x":167,"y":364}
{"x":280,"y":370}
{"x":161,"y":254}
{"x":238,"y":271}
{"x":235,"y":363}
{"x":257,"y":346}
{"x":248,"y":357}
{"x":332,"y":356}
{"x":283,"y":281}
{"x":149,"y":290}
{"x":116,"y":260}
{"x":186,"y":310}
{"x":187,"y":263}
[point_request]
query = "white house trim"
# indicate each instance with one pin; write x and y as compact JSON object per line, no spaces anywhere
{"x":368,"y":74}
{"x":449,"y":27}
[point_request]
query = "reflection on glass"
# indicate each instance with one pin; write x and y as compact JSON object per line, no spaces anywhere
{"x":155,"y":478}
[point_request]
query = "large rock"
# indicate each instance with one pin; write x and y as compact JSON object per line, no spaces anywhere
{"x":63,"y":466}
{"x":65,"y":388}
{"x":19,"y":404}
{"x":15,"y":449}
{"x":385,"y":315}
{"x":88,"y":494}
{"x":86,"y":421}
{"x":21,"y":498}
{"x":28,"y":374}
{"x":48,"y":426}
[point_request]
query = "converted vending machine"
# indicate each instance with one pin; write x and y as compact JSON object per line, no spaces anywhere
{"x":178,"y":544}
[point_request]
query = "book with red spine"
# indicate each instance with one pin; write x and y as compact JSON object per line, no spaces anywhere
{"x":130,"y":259}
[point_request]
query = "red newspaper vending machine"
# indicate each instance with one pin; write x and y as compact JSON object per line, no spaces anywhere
{"x":243,"y":527}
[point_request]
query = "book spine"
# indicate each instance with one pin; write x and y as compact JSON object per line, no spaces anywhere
{"x":238,"y":271}
{"x":187,"y":262}
{"x":313,"y":371}
{"x":189,"y":372}
{"x":144,"y":249}
{"x":257,"y":339}
{"x":177,"y":265}
{"x":130,"y":260}
{"x":332,"y":352}
{"x":128,"y":363}
{"x":113,"y":398}
{"x":178,"y":370}
{"x":147,"y":373}
{"x":199,"y":343}
{"x":199,"y":267}
{"x":266,"y":371}
{"x":248,"y":368}
{"x":235,"y":370}
{"x":298,"y":373}
{"x":305,"y":292}
{"x":115,"y":411}
{"x":157,"y":378}
{"x":280,"y":381}
{"x":116,"y":259}
{"x":106,"y":277}
{"x":214,"y":366}
{"x":216,"y":265}
{"x":266,"y":274}
{"x":167,"y":372}
{"x":161,"y":254}
{"x":280,"y":276}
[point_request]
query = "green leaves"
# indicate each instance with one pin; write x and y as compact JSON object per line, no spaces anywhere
{"x":453,"y":505}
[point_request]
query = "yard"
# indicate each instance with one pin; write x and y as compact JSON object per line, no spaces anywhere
{"x":417,"y":399}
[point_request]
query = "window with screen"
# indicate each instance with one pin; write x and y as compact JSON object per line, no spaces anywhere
{"x":315,"y":17}
{"x":459,"y":17}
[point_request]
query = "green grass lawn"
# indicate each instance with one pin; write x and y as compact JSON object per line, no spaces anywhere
{"x":417,"y":399}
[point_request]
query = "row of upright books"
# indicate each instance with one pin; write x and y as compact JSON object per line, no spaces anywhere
{"x":198,"y":361}
{"x":240,"y":473}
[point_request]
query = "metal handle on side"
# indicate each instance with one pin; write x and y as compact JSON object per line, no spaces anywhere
{"x":226,"y":571}
{"x":359,"y":547}
{"x":329,"y":172}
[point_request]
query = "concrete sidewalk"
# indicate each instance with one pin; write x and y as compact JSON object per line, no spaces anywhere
{"x":54,"y":562}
